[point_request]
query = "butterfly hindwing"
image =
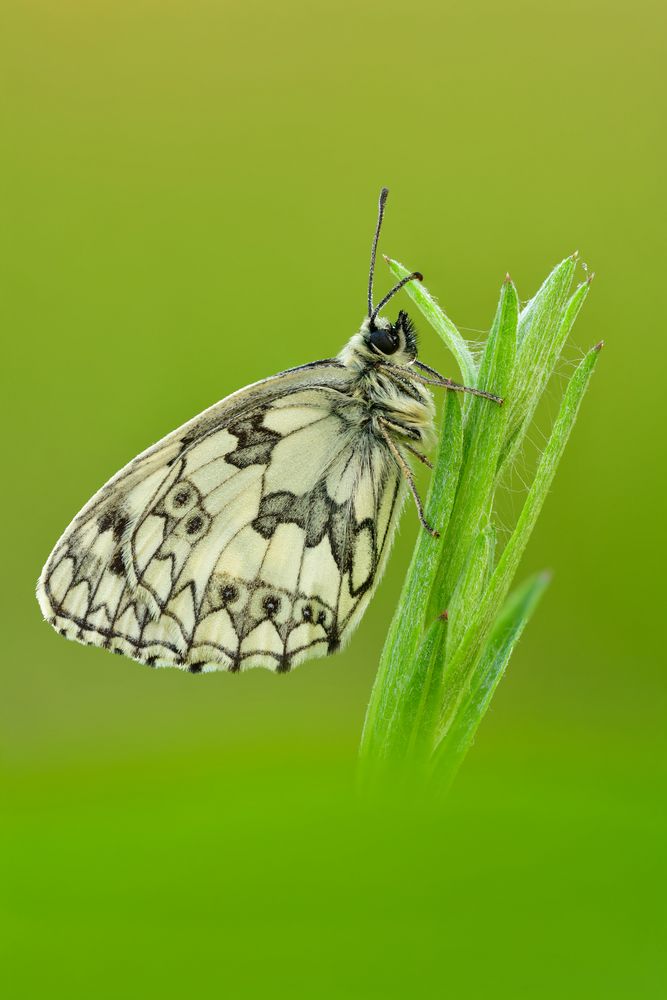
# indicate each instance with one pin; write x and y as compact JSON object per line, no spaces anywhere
{"x":253,"y":536}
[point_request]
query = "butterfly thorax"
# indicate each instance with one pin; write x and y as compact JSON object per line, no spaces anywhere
{"x":384,"y":379}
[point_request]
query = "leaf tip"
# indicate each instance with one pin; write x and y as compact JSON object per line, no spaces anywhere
{"x":575,"y":255}
{"x":589,"y":277}
{"x":598,"y":347}
{"x":508,"y":278}
{"x":443,"y":616}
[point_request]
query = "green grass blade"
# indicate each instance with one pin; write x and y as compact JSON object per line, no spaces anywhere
{"x":484,"y":434}
{"x":424,"y":706}
{"x":469,"y":587}
{"x":540,"y":338}
{"x":440,"y":322}
{"x":415,"y":723}
{"x":390,"y":704}
{"x":507,"y":631}
{"x":537,"y":316}
{"x":550,"y":352}
{"x":459,"y":669}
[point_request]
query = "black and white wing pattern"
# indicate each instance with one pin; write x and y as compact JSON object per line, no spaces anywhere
{"x":252,"y":536}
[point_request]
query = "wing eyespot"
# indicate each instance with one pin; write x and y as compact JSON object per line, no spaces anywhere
{"x":182,"y":498}
{"x":267,"y":603}
{"x":194,"y":526}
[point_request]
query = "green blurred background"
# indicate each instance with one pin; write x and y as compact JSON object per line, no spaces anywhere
{"x":188,"y":194}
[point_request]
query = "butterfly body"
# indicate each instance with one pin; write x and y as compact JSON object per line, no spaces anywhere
{"x":255,"y":534}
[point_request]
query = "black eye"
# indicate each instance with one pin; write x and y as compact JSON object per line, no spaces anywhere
{"x":384,"y":340}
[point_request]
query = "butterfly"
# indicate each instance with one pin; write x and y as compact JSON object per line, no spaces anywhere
{"x":256,"y":534}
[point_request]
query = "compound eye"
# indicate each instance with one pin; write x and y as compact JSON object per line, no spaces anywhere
{"x":384,"y":340}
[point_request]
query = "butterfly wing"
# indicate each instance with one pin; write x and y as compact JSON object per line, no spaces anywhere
{"x":252,"y":536}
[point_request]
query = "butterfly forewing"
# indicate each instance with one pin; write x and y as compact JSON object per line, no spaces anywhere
{"x":252,"y":536}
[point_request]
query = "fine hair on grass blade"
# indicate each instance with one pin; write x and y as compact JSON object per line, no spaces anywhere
{"x":455,"y":627}
{"x":456,"y":675}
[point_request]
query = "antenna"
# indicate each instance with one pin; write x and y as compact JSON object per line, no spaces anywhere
{"x":415,"y":276}
{"x":383,"y":198}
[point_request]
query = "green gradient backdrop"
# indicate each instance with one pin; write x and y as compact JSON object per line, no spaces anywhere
{"x":188,"y":192}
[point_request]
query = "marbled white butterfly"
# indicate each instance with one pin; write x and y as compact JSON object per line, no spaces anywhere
{"x":255,"y":534}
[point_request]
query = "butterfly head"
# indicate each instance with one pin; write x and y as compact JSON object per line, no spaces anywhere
{"x":381,"y":341}
{"x":395,"y":341}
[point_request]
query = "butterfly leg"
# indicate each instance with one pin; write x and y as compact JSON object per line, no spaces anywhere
{"x":407,"y":472}
{"x":447,"y":383}
{"x":404,"y":432}
{"x":422,"y":458}
{"x":429,"y":376}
